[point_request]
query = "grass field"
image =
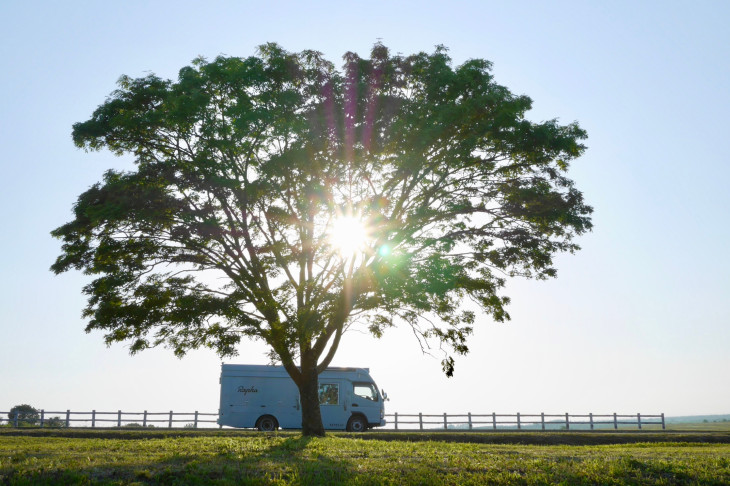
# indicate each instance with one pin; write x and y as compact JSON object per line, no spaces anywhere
{"x":35,"y":456}
{"x":701,"y":426}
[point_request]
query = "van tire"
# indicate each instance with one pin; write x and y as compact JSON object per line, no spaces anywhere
{"x":267,"y":423}
{"x":357,"y":423}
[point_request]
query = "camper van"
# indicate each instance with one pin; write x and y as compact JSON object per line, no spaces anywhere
{"x":266,"y":398}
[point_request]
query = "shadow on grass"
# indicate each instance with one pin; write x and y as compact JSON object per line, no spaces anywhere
{"x":578,"y":438}
{"x":277,"y":458}
{"x":292,"y":460}
{"x":546,"y":438}
{"x":283,"y":461}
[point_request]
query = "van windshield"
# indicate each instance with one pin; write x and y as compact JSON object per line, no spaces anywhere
{"x":366,"y":391}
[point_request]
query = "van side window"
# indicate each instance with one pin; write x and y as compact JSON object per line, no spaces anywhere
{"x":329,"y":394}
{"x":366,"y":391}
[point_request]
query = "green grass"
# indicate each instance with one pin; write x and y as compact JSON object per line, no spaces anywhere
{"x":700,"y":426}
{"x":234,"y":457}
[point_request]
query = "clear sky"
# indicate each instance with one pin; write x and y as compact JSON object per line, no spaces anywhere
{"x":637,"y":321}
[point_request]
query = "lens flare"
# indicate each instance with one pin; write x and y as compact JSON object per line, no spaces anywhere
{"x":348,"y":235}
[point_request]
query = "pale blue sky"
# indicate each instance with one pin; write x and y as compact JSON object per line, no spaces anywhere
{"x":636,"y":322}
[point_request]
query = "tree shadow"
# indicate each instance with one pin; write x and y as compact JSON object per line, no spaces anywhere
{"x":292,"y":460}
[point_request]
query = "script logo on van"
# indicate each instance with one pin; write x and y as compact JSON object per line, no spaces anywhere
{"x":245,"y":391}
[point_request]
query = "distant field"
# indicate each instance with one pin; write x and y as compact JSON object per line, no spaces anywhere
{"x":111,"y":456}
{"x":710,"y":426}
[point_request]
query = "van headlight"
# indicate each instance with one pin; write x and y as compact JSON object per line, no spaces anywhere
{"x":382,"y":413}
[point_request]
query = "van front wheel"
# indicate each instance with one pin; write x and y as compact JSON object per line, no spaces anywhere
{"x":357,"y":423}
{"x":267,"y":423}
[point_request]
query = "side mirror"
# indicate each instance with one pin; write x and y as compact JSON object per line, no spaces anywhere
{"x":385,"y":396}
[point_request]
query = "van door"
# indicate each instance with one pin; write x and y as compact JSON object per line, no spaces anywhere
{"x":289,"y":414}
{"x":243,"y":396}
{"x":333,"y":404}
{"x":366,"y":400}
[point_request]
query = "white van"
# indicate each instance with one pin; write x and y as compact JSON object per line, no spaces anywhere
{"x":265,"y":397}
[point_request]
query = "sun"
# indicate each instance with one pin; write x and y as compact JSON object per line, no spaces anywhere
{"x":348,"y":235}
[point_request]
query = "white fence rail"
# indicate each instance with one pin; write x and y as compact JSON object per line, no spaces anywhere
{"x":395,"y":421}
{"x":119,"y":418}
{"x":519,"y":421}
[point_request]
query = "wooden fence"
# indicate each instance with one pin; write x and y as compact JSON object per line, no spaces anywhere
{"x":519,"y":421}
{"x":113,"y":419}
{"x":395,"y":421}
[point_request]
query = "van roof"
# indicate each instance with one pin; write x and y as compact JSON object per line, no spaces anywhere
{"x":273,"y":367}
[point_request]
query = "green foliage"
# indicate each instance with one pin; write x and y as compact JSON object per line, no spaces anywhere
{"x":457,"y":459}
{"x":25,"y":415}
{"x":244,"y":166}
{"x":54,"y":422}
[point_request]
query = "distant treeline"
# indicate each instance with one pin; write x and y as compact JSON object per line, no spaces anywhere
{"x":698,"y":419}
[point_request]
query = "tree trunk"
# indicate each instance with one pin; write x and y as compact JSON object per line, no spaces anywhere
{"x":309,"y":394}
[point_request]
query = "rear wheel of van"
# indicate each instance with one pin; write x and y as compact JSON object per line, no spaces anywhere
{"x":357,"y":423}
{"x":267,"y":423}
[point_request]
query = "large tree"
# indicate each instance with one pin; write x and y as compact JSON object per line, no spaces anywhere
{"x":279,"y":198}
{"x":24,"y":415}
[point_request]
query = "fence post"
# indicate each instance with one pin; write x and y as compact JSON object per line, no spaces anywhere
{"x":93,"y":419}
{"x":470,"y":425}
{"x":119,"y":418}
{"x":446,"y":425}
{"x":590,"y":417}
{"x":15,"y":421}
{"x":169,"y":424}
{"x":420,"y":420}
{"x":43,"y":416}
{"x":144,"y":420}
{"x":542,"y":420}
{"x":494,"y":421}
{"x":638,"y":419}
{"x":68,"y":418}
{"x":663,"y":426}
{"x":615,"y":422}
{"x":396,"y":420}
{"x":195,"y":425}
{"x":519,"y":425}
{"x":567,"y":421}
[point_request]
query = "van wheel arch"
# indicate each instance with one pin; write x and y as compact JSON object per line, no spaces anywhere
{"x":357,"y":423}
{"x":267,"y":423}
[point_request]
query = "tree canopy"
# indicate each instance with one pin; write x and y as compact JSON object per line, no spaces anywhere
{"x":23,"y":415}
{"x":277,"y":197}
